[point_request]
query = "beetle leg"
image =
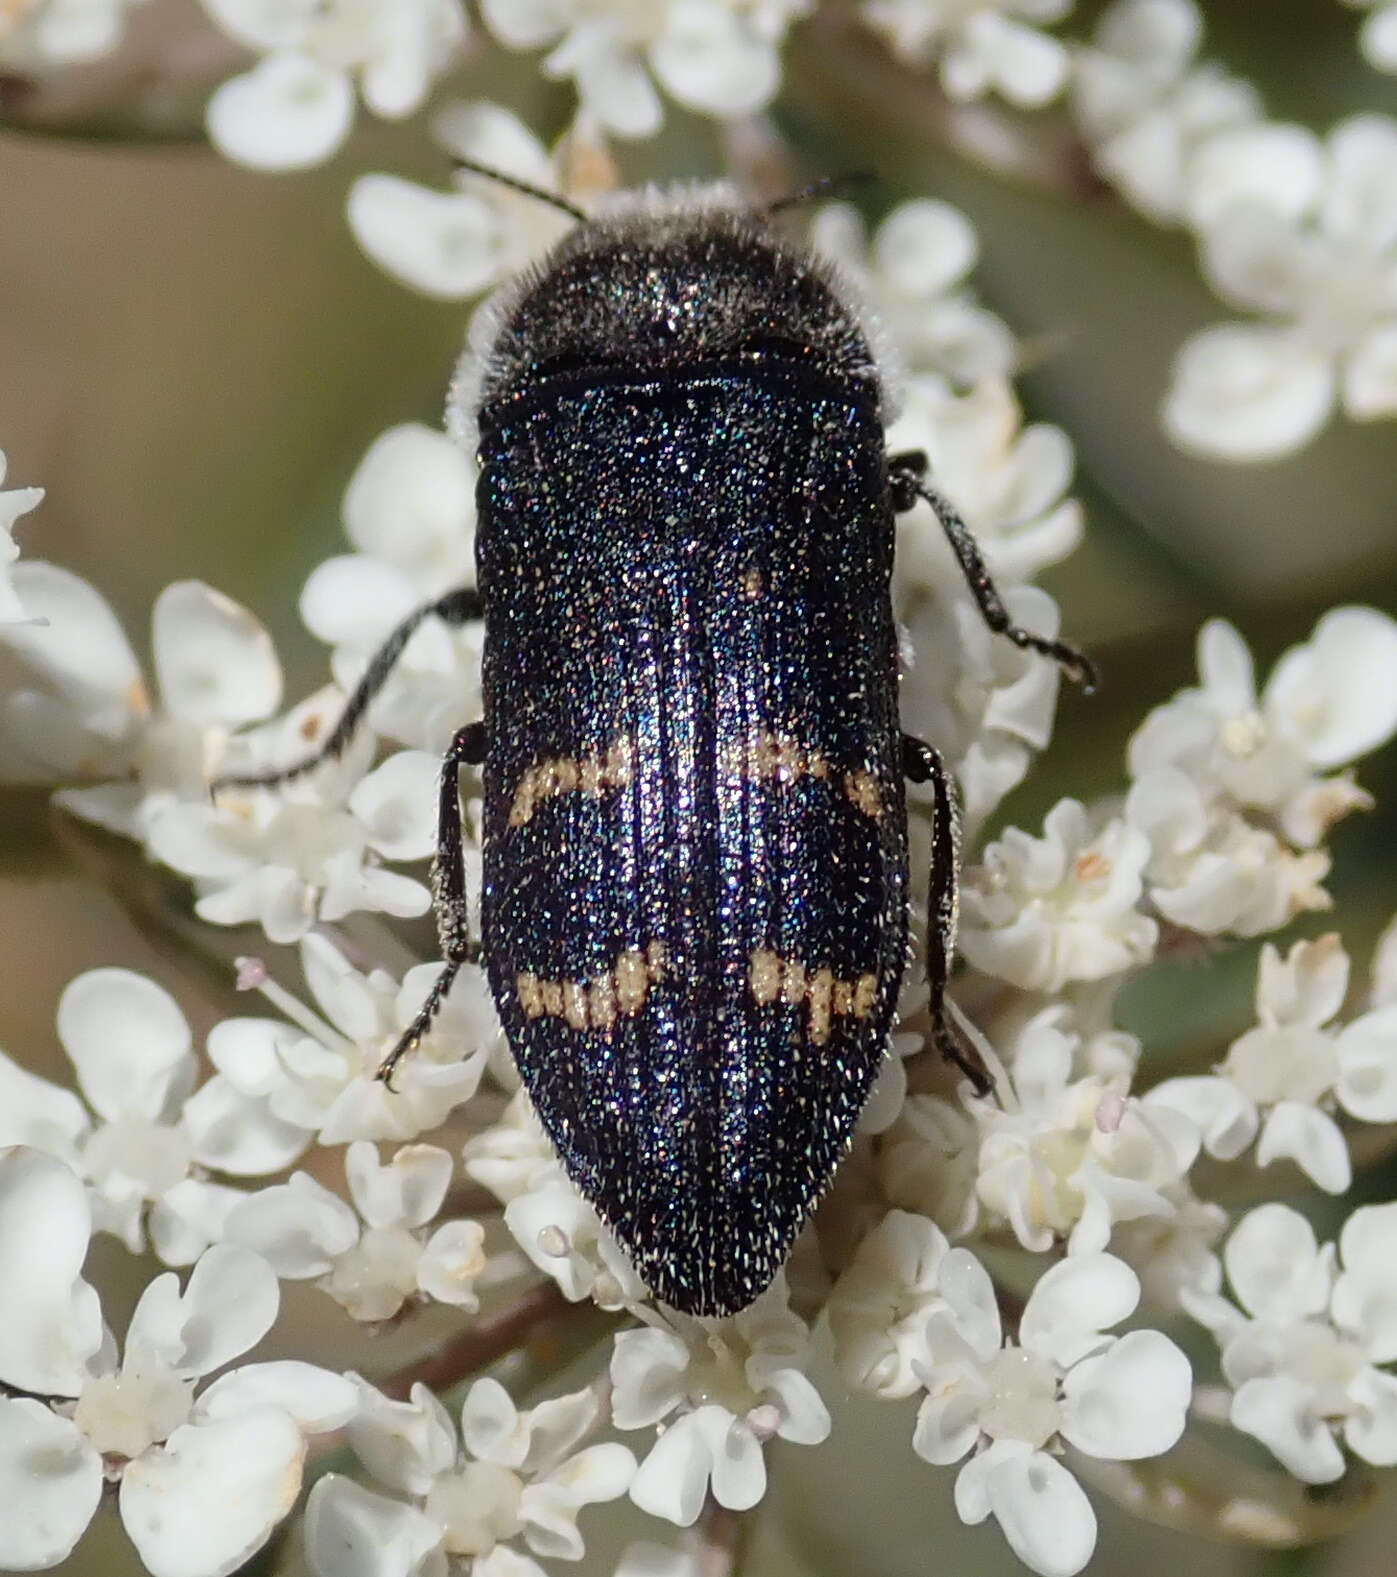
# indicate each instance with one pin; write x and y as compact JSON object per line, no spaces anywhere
{"x":467,"y":749}
{"x":907,"y":476}
{"x":923,"y":764}
{"x":456,"y":607}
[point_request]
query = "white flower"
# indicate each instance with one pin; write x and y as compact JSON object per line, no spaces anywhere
{"x":566,"y":1239}
{"x":879,"y":1308}
{"x":14,"y":502}
{"x":371,"y":1270}
{"x":1268,"y":753}
{"x":988,"y":705}
{"x":1007,"y":481}
{"x":981,"y":44}
{"x":1293,"y":1068}
{"x":459,"y":243}
{"x":131,"y":1050}
{"x":1378,"y":36}
{"x":296,"y":106}
{"x":1211,"y":870}
{"x":1324,"y":275}
{"x":43,"y":36}
{"x":1146,"y":110}
{"x":1174,"y":1251}
{"x":1115,"y":1397}
{"x":928,"y":1161}
{"x":81,"y":709}
{"x":719,"y":57}
{"x":307,"y":850}
{"x":518,"y":1476}
{"x":409,"y":510}
{"x":1303,"y":1358}
{"x":734,"y":1382}
{"x":1217,"y":755}
{"x":1066,"y":1157}
{"x":912,"y":276}
{"x":559,"y":1231}
{"x":394,"y":1258}
{"x":1040,"y":912}
{"x":319,"y":1074}
{"x":287,"y":856}
{"x":204,"y":1479}
{"x":510,"y":1155}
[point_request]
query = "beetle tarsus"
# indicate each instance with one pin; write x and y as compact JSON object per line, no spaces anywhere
{"x":412,"y":1036}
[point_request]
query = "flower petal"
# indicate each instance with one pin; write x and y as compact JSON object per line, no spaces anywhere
{"x":708,"y":59}
{"x":299,"y":1227}
{"x":1041,"y":1508}
{"x":212,"y":1496}
{"x":948,"y":1425}
{"x":647,"y":1367}
{"x":1367,"y":1052}
{"x":1243,"y":391}
{"x":403,"y":1444}
{"x":1276,"y":1268}
{"x":288,"y":113}
{"x":1312,"y":1139}
{"x":79,"y":649}
{"x":1372,"y":1430}
{"x":1281,"y":1412}
{"x":1365,"y":1295}
{"x":1074,"y":1302}
{"x":1265,"y":163}
{"x":214,"y":662}
{"x":397,"y":803}
{"x":672,"y":1481}
{"x":1311,"y":688}
{"x":234,"y":1133}
{"x":443,"y":244}
{"x":1130,"y":1401}
{"x":50,"y":1318}
{"x":318,"y":1399}
{"x":128,"y":1041}
{"x":50,"y":1485}
{"x":228,"y":1305}
{"x":37,"y":1113}
{"x":351,"y":1532}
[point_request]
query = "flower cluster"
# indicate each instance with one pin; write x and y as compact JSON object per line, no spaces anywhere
{"x":1305,"y":1360}
{"x":988,"y":45}
{"x":1298,"y":229}
{"x":1236,"y":793}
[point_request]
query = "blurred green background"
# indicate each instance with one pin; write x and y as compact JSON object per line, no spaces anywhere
{"x":193,"y":358}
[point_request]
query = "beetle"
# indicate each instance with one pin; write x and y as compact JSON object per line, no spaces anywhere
{"x":695,"y":901}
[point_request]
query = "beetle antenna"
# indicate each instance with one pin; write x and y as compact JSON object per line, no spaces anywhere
{"x":527,"y":188}
{"x":821,"y":188}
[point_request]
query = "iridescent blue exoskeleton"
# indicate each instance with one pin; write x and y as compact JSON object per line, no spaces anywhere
{"x":694,"y":916}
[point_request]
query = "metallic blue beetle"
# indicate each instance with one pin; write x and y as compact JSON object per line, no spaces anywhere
{"x":694,"y":915}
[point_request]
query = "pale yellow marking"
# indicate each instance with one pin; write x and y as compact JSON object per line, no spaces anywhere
{"x":765,"y":976}
{"x":768,"y":757}
{"x":754,"y":585}
{"x":770,"y":976}
{"x":619,"y":993}
{"x":591,"y":775}
{"x":862,"y":789}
